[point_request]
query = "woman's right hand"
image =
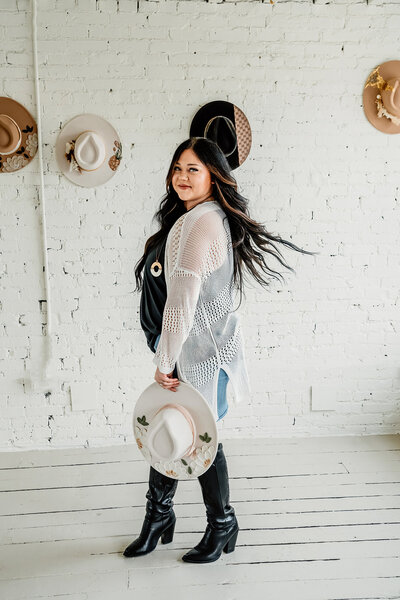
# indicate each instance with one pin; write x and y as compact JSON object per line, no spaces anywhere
{"x":167,"y":381}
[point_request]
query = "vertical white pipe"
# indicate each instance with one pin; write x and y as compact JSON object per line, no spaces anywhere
{"x":48,"y":353}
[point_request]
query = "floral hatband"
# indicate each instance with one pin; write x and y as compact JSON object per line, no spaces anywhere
{"x":23,"y":155}
{"x":113,"y":161}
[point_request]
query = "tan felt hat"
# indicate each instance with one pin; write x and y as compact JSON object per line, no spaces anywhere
{"x":18,"y":136}
{"x":175,"y":431}
{"x":381,"y":97}
{"x":88,"y":150}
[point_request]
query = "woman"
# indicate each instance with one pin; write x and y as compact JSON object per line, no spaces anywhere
{"x":191,"y":267}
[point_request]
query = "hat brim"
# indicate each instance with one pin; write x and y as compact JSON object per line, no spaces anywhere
{"x":197,"y":463}
{"x":72,"y":129}
{"x":387,"y":70}
{"x":27,"y":149}
{"x":239,"y":120}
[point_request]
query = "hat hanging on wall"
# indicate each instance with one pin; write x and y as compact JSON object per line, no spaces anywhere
{"x":175,"y":431}
{"x":88,"y":150}
{"x":18,"y":136}
{"x":227,"y":125}
{"x":381,"y":97}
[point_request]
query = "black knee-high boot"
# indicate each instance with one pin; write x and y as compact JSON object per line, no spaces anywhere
{"x":160,"y":518}
{"x":222,"y":526}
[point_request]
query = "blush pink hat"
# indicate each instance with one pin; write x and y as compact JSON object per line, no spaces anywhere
{"x":88,"y":150}
{"x":175,"y":431}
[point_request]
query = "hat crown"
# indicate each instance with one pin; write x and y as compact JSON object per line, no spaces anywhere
{"x":10,"y":135}
{"x":391,"y":96}
{"x":171,"y":433}
{"x":221,"y":130}
{"x":90,"y":150}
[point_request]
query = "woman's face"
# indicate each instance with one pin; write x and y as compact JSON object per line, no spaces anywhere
{"x":191,"y":179}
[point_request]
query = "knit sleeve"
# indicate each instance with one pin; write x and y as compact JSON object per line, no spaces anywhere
{"x":197,"y":247}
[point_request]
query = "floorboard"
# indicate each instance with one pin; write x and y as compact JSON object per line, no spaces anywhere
{"x":319,"y":520}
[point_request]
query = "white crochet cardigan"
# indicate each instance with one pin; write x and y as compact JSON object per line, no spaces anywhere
{"x":200,"y":333}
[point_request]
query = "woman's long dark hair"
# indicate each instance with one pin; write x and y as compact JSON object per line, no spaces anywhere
{"x":250,"y":239}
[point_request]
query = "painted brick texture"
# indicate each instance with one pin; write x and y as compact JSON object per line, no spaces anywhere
{"x":323,"y":349}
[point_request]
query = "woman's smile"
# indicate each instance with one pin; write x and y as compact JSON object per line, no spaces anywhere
{"x":191,"y":179}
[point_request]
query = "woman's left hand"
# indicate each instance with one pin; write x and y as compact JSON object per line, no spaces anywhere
{"x":168,"y":382}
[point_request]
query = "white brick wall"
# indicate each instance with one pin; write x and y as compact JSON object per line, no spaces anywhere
{"x":318,"y":174}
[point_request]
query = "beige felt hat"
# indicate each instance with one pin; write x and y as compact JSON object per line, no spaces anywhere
{"x":18,"y":136}
{"x":88,"y":150}
{"x":381,"y":97}
{"x":175,"y":431}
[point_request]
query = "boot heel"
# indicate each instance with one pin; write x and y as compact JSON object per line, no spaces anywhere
{"x":168,"y":534}
{"x":230,"y":545}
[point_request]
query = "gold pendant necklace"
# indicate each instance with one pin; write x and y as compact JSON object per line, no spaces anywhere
{"x":156,"y":267}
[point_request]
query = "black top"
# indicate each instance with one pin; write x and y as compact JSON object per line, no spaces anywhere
{"x":154,"y":296}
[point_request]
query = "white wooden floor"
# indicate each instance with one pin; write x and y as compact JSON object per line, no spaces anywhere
{"x":319,"y":520}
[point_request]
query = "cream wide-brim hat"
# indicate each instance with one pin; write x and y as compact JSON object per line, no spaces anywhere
{"x":18,"y":136}
{"x":376,"y":100}
{"x":88,"y":150}
{"x":167,"y":423}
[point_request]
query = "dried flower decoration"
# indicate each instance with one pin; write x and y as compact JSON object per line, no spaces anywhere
{"x":382,"y":112}
{"x":116,"y":158}
{"x":69,"y":155}
{"x":376,"y":80}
